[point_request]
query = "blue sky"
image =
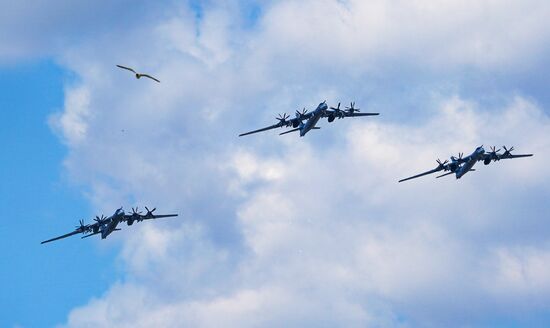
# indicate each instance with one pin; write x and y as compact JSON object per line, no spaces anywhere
{"x":274,"y":231}
{"x":38,"y":201}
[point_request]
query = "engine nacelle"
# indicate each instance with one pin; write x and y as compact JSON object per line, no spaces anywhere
{"x":130,"y":222}
{"x":453,"y":167}
{"x":487,"y":161}
{"x":331,"y":118}
{"x":95,"y":229}
{"x":295,"y":124}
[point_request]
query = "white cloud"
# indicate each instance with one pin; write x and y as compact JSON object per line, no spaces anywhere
{"x":35,"y":29}
{"x":333,"y":239}
{"x":312,"y":231}
{"x":442,"y":35}
{"x":73,"y":123}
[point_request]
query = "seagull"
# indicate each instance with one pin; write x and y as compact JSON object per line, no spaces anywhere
{"x":138,"y":75}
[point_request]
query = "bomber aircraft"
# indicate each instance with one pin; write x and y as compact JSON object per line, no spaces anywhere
{"x":106,"y":225}
{"x":304,"y":121}
{"x":462,"y":165}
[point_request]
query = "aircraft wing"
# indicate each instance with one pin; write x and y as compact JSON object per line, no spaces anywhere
{"x":140,"y":217}
{"x":498,"y":157}
{"x":274,"y":126}
{"x":360,"y":114}
{"x":291,"y":122}
{"x":64,"y":236}
{"x":159,"y":216}
{"x":422,"y":174}
{"x":342,"y":114}
{"x":507,"y":156}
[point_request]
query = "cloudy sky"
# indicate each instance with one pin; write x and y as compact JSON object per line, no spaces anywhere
{"x":275,"y":231}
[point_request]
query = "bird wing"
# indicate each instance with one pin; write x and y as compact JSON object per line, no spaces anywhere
{"x":149,"y":76}
{"x":128,"y":68}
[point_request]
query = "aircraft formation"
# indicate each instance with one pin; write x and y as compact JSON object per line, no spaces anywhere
{"x":302,"y":122}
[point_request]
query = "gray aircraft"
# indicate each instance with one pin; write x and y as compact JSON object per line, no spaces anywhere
{"x":106,"y":225}
{"x":305,"y":122}
{"x":462,"y":165}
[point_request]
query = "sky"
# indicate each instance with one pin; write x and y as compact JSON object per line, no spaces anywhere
{"x":274,"y":231}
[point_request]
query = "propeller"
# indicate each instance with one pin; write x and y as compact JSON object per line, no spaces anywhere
{"x":494,"y":153}
{"x":351,"y":109}
{"x":82,"y":227}
{"x":494,"y":149}
{"x":507,"y":151}
{"x":300,"y":114}
{"x":100,"y":220}
{"x":441,"y":164}
{"x":339,"y":113}
{"x":135,"y":212}
{"x":455,"y":159}
{"x":282,"y":118}
{"x":149,"y":213}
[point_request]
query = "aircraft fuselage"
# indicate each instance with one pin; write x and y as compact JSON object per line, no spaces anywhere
{"x":312,"y":121}
{"x":469,"y":163}
{"x":111,"y":223}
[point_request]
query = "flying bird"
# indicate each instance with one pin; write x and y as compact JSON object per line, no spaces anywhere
{"x":138,"y":75}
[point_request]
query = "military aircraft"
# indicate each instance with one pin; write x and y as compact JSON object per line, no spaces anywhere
{"x":106,"y":225}
{"x":311,"y":118}
{"x":462,"y":165}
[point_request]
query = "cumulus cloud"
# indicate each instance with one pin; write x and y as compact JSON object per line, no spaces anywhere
{"x":314,"y":231}
{"x":332,"y":239}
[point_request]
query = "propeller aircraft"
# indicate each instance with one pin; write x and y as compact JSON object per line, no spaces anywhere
{"x":462,"y":165}
{"x":106,"y":225}
{"x":305,"y":121}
